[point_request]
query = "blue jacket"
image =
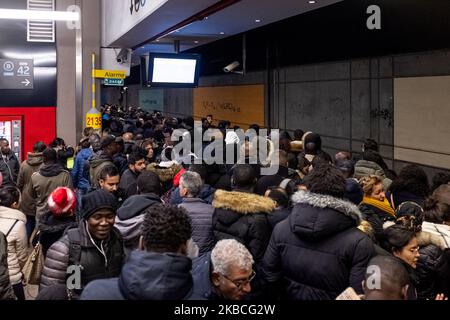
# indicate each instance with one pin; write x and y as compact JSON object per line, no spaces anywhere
{"x":146,"y":276}
{"x":201,"y":274}
{"x":79,"y":176}
{"x":207,"y":194}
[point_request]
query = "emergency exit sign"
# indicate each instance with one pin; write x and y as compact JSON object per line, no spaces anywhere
{"x":16,"y":73}
{"x":113,"y":82}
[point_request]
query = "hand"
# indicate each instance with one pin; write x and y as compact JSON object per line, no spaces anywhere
{"x":440,"y":296}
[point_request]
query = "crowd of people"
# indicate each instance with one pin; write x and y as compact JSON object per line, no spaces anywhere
{"x":122,"y":216}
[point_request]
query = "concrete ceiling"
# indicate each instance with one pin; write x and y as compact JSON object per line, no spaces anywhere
{"x":240,"y":17}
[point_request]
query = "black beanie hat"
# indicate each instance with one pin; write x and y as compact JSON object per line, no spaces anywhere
{"x":96,"y":200}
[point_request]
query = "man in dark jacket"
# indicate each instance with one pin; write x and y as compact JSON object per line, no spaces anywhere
{"x":95,"y":245}
{"x":34,"y":162}
{"x":318,"y":252}
{"x":128,"y":180}
{"x":9,"y":164}
{"x":6,"y":291}
{"x":159,"y":269}
{"x":131,"y":214}
{"x":206,"y":193}
{"x":225,"y":273}
{"x":199,"y":211}
{"x":242,"y":215}
{"x":102,"y":159}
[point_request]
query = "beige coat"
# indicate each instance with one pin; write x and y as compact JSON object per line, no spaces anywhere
{"x":17,"y":241}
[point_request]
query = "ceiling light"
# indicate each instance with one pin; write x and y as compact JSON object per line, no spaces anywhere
{"x":39,"y":15}
{"x":195,"y":41}
{"x":142,"y":47}
{"x":257,"y":20}
{"x":222,"y":32}
{"x":312,"y":1}
{"x":157,"y":40}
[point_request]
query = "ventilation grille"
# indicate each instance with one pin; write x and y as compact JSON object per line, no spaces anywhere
{"x":41,"y":30}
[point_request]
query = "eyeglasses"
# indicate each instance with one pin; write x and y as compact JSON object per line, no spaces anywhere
{"x":241,"y":283}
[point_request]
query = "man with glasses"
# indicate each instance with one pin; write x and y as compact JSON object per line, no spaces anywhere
{"x":225,"y":273}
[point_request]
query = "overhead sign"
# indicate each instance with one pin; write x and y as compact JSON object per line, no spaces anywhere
{"x":112,"y":74}
{"x":113,"y":82}
{"x":16,"y":73}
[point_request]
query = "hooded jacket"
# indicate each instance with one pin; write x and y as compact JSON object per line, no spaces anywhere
{"x":146,"y":276}
{"x":6,"y":291}
{"x":17,"y":241}
{"x":97,"y":162}
{"x":433,"y":266}
{"x":364,"y":168}
{"x":43,"y":182}
{"x":27,"y":168}
{"x":201,"y":274}
{"x":130,"y":216}
{"x":318,"y":252}
{"x":79,"y":176}
{"x":243,"y":217}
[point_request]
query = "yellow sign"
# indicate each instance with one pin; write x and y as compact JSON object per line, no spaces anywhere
{"x":112,"y":74}
{"x":94,"y":120}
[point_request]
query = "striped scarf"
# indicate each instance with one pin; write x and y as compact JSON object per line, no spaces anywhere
{"x":382,"y":205}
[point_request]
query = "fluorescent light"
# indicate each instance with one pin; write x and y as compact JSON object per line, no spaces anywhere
{"x":222,"y":32}
{"x":312,"y":2}
{"x":257,"y":20}
{"x":38,"y":15}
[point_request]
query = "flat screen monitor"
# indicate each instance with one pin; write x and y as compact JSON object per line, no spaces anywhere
{"x":173,"y":70}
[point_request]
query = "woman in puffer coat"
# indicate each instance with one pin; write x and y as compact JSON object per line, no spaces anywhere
{"x":12,"y":225}
{"x":318,"y":252}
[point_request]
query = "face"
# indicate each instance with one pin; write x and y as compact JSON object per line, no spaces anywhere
{"x":235,"y":285}
{"x":209,"y":119}
{"x":139,"y":166}
{"x":110,"y":184}
{"x":4,"y":146}
{"x":409,"y":253}
{"x":183,"y":190}
{"x":149,"y":150}
{"x":378,"y":192}
{"x":101,"y":223}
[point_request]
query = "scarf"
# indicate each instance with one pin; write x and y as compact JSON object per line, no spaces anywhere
{"x":382,"y":205}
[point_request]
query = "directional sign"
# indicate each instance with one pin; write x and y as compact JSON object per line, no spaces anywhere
{"x":16,"y":73}
{"x":113,"y":82}
{"x":112,"y":74}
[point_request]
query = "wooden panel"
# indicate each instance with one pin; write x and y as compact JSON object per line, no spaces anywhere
{"x":422,"y":120}
{"x":241,"y":105}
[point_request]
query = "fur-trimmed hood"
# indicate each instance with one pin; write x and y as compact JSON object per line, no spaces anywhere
{"x":324,"y":201}
{"x":316,"y":216}
{"x":242,"y":202}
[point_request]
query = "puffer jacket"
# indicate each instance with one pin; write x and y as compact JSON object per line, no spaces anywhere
{"x":80,"y":178}
{"x":201,"y":214}
{"x":318,"y":252}
{"x":17,"y":241}
{"x":9,"y":168}
{"x":146,"y":276}
{"x":243,"y":216}
{"x":433,"y":266}
{"x":27,"y":168}
{"x":6,"y":291}
{"x":95,"y":264}
{"x":43,"y":182}
{"x":364,"y":168}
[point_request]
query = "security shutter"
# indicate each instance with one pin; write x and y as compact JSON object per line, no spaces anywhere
{"x":41,"y":30}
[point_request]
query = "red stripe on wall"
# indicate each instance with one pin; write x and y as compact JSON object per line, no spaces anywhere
{"x":39,"y":124}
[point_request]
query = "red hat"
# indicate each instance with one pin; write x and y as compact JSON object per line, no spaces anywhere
{"x":61,"y":201}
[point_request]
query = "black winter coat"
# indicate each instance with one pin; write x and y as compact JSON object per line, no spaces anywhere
{"x":376,"y":217}
{"x":52,"y":229}
{"x":433,"y":267}
{"x":317,"y":252}
{"x":243,"y":216}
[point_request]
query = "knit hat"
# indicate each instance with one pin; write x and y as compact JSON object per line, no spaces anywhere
{"x":61,"y":201}
{"x":353,"y":191}
{"x":96,"y":200}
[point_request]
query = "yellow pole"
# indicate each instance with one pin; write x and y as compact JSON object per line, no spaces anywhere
{"x":93,"y":80}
